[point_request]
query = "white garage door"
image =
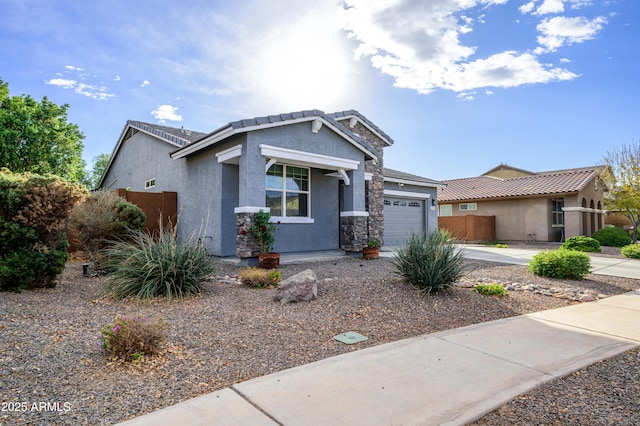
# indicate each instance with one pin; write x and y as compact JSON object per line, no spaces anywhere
{"x":401,"y":217}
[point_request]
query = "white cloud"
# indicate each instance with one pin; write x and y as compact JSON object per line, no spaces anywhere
{"x":117,"y":78}
{"x":95,"y":92}
{"x":73,"y":68}
{"x":164,"y":113}
{"x":62,"y":82}
{"x":552,"y":6}
{"x":145,"y":83}
{"x":420,"y":45}
{"x":563,"y":31}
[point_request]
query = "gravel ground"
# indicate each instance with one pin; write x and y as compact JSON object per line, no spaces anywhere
{"x":50,"y":354}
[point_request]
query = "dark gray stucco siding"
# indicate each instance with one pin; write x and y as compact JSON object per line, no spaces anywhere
{"x":300,"y":137}
{"x":207,"y":198}
{"x":141,"y":158}
{"x":323,"y":233}
{"x":228,"y":231}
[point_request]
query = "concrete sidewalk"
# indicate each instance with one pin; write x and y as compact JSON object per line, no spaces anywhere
{"x":447,"y":378}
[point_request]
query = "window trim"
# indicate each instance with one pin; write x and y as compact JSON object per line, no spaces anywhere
{"x":554,"y":213}
{"x":150,"y":183}
{"x":448,"y":207}
{"x":470,"y":207}
{"x":283,"y":190}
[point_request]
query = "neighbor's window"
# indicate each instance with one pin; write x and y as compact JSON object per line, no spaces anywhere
{"x":557,"y":215}
{"x":287,"y":189}
{"x":151,"y":183}
{"x":468,"y":206}
{"x":446,"y":210}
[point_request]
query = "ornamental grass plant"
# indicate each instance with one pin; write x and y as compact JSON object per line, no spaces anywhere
{"x":147,"y":266}
{"x":430,"y":261}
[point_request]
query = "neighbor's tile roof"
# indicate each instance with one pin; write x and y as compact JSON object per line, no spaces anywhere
{"x":547,"y":183}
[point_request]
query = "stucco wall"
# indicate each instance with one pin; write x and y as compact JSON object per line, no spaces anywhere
{"x":515,"y":219}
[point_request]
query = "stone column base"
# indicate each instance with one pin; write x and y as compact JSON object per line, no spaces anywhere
{"x":354,"y":233}
{"x":247,"y":245}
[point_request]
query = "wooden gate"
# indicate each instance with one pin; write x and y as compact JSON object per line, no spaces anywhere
{"x":469,"y":227}
{"x":155,"y":205}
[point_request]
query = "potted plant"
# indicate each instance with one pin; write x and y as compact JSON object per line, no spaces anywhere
{"x":264,"y":230}
{"x":372,"y":250}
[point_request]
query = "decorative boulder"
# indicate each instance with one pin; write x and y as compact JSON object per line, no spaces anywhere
{"x":301,"y":287}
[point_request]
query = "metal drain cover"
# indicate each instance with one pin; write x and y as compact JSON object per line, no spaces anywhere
{"x":350,"y":337}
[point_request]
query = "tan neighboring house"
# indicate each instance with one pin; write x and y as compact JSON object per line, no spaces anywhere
{"x":528,"y":206}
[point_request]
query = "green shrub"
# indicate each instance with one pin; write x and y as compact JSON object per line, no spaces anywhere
{"x":500,"y":245}
{"x":582,"y":243}
{"x":102,"y":218}
{"x":147,"y":266}
{"x":34,"y":211}
{"x":491,"y":290}
{"x":429,"y":262}
{"x":612,"y":236}
{"x":132,"y":339}
{"x":631,"y":251}
{"x":561,"y":263}
{"x":260,"y":278}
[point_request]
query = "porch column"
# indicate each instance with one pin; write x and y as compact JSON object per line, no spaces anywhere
{"x":354,"y":217}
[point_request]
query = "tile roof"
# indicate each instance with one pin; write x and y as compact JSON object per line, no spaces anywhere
{"x":352,"y":112}
{"x":240,"y":125}
{"x":180,"y":136}
{"x":547,"y":183}
{"x":396,"y":174}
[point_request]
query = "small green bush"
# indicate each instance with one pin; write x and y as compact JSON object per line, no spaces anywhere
{"x":147,"y":266}
{"x":102,"y":218}
{"x":429,"y":262}
{"x":500,"y":245}
{"x":612,"y":236}
{"x":582,"y":243}
{"x":561,"y":263}
{"x":260,"y":278}
{"x":631,"y":251}
{"x":491,"y":290}
{"x":133,"y":339}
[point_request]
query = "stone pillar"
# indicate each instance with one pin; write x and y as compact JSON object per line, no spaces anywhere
{"x":247,"y":244}
{"x":375,"y":201}
{"x":354,"y":232}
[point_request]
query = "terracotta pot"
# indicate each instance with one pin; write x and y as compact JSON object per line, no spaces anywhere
{"x":269,"y":260}
{"x":371,"y":252}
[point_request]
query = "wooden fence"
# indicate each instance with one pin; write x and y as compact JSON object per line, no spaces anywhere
{"x":155,"y":205}
{"x":469,"y":227}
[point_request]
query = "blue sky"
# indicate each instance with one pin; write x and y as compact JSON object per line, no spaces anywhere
{"x":460,"y":85}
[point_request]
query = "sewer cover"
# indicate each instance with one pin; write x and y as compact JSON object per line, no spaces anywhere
{"x":350,"y":337}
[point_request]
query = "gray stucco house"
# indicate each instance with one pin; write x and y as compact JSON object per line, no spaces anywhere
{"x":321,"y":175}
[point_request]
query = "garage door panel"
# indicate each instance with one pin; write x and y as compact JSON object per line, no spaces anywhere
{"x":401,"y":217}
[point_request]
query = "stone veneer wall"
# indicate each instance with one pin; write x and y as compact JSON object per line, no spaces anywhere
{"x":374,"y":197}
{"x":354,"y":233}
{"x":247,"y":245}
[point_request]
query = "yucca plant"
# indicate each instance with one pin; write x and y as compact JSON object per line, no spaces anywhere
{"x":146,"y":266}
{"x":429,"y":262}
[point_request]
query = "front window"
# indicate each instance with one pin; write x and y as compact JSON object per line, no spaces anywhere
{"x":287,"y":190}
{"x":557,"y":215}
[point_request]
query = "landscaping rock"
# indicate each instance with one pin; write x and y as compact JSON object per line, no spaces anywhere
{"x":301,"y":287}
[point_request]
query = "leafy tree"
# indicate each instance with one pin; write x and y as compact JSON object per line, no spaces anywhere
{"x":622,"y":180}
{"x":99,"y":165}
{"x":36,"y":137}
